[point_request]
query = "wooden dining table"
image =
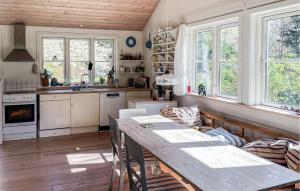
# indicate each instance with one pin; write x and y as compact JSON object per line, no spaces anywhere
{"x":205,"y":162}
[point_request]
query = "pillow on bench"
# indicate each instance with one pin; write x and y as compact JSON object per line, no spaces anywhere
{"x":293,"y":156}
{"x":189,"y":116}
{"x":271,"y":149}
{"x":227,"y":137}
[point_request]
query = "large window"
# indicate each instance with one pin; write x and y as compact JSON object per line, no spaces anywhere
{"x":54,"y":56}
{"x":216,"y":59}
{"x":228,"y":61}
{"x":79,"y":58}
{"x":68,"y":58}
{"x":104,"y":51}
{"x":204,"y":59}
{"x":281,"y":87}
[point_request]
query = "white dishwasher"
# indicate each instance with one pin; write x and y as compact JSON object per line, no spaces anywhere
{"x":111,"y":103}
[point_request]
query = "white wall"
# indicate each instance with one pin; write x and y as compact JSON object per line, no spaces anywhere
{"x":12,"y":70}
{"x":190,"y":11}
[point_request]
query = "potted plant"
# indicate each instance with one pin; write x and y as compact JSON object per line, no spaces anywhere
{"x":45,"y":76}
{"x":110,"y":76}
{"x":102,"y":81}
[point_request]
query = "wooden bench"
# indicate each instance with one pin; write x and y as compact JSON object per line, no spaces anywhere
{"x":245,"y":127}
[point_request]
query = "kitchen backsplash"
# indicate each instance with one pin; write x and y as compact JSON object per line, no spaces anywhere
{"x":20,"y":84}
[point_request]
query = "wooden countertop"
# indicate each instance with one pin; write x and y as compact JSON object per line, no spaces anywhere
{"x":47,"y":91}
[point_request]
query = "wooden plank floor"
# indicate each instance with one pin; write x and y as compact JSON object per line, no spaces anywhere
{"x":53,"y":164}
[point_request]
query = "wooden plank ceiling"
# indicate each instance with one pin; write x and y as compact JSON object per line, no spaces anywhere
{"x":94,"y":14}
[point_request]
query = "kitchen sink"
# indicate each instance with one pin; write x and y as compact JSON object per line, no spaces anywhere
{"x":84,"y":89}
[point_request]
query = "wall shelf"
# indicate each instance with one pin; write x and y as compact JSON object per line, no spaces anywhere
{"x":163,"y":49}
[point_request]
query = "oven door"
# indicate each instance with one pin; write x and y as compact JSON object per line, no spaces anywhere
{"x":22,"y":113}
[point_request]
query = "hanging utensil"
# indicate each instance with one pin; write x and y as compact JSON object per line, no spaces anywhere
{"x":149,"y":42}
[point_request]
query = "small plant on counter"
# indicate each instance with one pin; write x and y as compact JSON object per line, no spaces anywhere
{"x":102,"y":80}
{"x":45,"y":76}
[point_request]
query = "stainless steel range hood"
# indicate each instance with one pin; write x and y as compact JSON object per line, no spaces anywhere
{"x":19,"y":53}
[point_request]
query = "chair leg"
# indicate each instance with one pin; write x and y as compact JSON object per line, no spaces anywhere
{"x":122,"y":175}
{"x":113,"y":173}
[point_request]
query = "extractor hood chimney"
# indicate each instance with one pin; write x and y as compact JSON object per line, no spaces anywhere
{"x":19,"y":53}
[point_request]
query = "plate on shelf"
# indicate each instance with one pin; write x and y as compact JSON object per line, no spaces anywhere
{"x":131,"y":42}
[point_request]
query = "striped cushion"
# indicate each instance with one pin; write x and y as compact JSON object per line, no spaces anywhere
{"x":271,"y":149}
{"x":293,"y":157}
{"x":189,"y":116}
{"x":227,"y":137}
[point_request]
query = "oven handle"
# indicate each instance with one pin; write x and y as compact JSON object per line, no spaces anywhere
{"x":18,"y":103}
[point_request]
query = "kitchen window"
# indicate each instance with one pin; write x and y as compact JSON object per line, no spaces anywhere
{"x":281,"y":61}
{"x":216,"y":58}
{"x":104,"y":59}
{"x":79,"y":58}
{"x":53,"y":58}
{"x":68,"y":58}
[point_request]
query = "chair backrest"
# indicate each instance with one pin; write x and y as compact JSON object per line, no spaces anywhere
{"x":135,"y":157}
{"x":127,"y":113}
{"x":115,"y":135}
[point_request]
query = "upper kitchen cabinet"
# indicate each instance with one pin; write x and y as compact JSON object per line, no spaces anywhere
{"x":85,"y":110}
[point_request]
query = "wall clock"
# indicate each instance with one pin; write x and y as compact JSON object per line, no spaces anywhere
{"x":131,"y":41}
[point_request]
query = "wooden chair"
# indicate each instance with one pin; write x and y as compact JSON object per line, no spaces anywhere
{"x":137,"y":179}
{"x":149,"y":158}
{"x":119,"y":154}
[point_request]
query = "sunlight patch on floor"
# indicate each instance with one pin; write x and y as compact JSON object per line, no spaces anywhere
{"x":76,"y":170}
{"x":88,"y":158}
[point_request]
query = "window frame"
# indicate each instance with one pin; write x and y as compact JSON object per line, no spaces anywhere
{"x":69,"y":56}
{"x":218,"y":60}
{"x":67,"y":37}
{"x":65,"y":50}
{"x":193,"y":78}
{"x":114,"y":53}
{"x":214,"y":25}
{"x":264,"y":56}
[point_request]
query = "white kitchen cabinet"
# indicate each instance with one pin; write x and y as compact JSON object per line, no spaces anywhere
{"x":135,"y":95}
{"x":55,"y":114}
{"x":85,"y":109}
{"x":110,"y":103}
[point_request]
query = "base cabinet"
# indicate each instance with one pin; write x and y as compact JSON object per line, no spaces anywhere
{"x":85,"y":109}
{"x":55,"y":115}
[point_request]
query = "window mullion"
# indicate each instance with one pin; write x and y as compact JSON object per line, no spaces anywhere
{"x":68,"y":64}
{"x":217,"y":61}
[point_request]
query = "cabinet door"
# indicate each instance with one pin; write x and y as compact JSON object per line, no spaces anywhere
{"x":54,"y":114}
{"x":84,"y":109}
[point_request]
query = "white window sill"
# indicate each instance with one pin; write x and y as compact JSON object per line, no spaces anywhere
{"x":259,"y":107}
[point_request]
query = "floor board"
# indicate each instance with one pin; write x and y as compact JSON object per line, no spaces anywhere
{"x":53,"y":164}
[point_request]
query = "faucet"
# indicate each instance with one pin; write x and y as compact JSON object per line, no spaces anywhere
{"x":82,"y":82}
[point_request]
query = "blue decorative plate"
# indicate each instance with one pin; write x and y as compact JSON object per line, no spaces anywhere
{"x":131,"y":41}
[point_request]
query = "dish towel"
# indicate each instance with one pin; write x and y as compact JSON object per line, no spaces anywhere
{"x":181,"y":61}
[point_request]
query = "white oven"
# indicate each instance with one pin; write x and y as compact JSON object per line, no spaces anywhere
{"x":19,"y":116}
